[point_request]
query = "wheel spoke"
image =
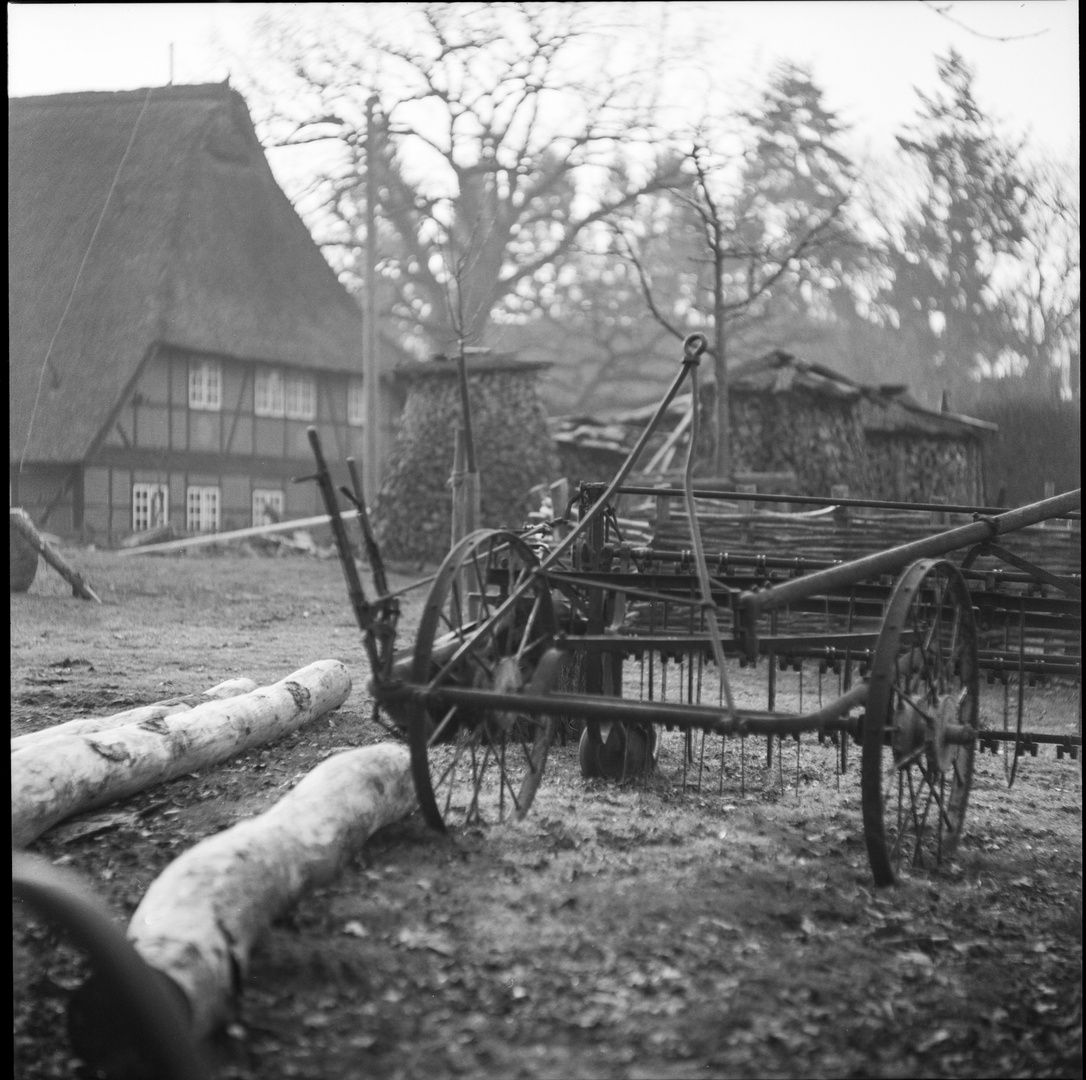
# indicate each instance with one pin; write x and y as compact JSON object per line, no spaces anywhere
{"x":491,"y":647}
{"x":507,"y":784}
{"x":460,"y":746}
{"x":926,"y":652}
{"x":440,"y":729}
{"x":477,"y":783}
{"x":915,"y":706}
{"x":526,"y":633}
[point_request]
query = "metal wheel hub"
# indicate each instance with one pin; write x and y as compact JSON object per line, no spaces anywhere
{"x":508,"y":679}
{"x":910,"y":733}
{"x":941,"y":749}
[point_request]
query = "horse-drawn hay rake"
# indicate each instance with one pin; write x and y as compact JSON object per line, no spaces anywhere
{"x":523,"y":629}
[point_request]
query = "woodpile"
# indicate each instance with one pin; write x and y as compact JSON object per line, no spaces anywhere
{"x":788,"y":416}
{"x":413,"y":510}
{"x":914,"y":469}
{"x":817,"y":437}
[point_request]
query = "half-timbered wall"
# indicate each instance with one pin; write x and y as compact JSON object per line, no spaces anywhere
{"x":160,"y":437}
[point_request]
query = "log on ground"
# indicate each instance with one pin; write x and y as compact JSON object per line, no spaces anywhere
{"x":158,"y":710}
{"x":199,"y":920}
{"x":82,"y":772}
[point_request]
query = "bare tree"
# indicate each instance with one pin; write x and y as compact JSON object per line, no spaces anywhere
{"x":1045,"y":303}
{"x":490,"y":151}
{"x":765,"y":235}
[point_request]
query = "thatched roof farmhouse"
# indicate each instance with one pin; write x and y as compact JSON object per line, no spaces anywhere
{"x":173,"y":328}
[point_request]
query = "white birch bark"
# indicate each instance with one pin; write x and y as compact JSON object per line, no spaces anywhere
{"x":159,"y":710}
{"x":82,"y":772}
{"x":200,"y":918}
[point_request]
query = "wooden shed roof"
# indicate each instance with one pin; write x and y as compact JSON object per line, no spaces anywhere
{"x":144,"y":217}
{"x":885,"y":410}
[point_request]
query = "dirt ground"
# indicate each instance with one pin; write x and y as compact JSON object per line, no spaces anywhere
{"x":618,"y":932}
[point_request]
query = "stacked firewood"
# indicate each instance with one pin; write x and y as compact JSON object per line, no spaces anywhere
{"x":514,"y":453}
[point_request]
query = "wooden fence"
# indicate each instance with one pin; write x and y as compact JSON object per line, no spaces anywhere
{"x":844,"y":533}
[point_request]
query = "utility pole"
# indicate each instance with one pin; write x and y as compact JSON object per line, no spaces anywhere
{"x":371,"y":375}
{"x":723,"y":463}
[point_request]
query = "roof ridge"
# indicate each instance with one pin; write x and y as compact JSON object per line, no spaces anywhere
{"x":171,"y":91}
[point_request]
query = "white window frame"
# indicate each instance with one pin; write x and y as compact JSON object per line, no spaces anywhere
{"x":262,"y":499}
{"x":205,"y":385}
{"x":202,"y":506}
{"x":268,"y":392}
{"x":150,"y":506}
{"x":356,"y":402}
{"x":300,"y":395}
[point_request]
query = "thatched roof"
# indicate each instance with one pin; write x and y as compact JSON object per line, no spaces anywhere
{"x":197,"y":247}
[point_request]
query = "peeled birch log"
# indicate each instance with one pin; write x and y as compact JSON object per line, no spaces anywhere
{"x":82,"y":772}
{"x":159,"y":710}
{"x":200,"y":918}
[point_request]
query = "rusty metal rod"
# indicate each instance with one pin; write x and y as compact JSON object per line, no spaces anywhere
{"x":990,"y":735}
{"x":693,"y":353}
{"x":783,"y":644}
{"x":894,"y":559}
{"x":713,"y":719}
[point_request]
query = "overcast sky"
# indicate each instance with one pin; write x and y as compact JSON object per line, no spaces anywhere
{"x":868,"y":55}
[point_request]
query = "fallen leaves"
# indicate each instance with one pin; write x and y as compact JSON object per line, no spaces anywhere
{"x":421,"y":938}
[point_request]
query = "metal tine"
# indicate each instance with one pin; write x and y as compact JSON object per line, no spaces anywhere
{"x":723,"y":740}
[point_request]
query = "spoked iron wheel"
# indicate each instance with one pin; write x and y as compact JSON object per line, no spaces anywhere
{"x":127,"y":1019}
{"x":920,"y":724}
{"x":474,"y":765}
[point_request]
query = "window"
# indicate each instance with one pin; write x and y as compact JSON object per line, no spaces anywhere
{"x":150,"y":506}
{"x":202,"y":509}
{"x":300,"y":396}
{"x":267,"y":506}
{"x":205,"y":385}
{"x":269,"y":393}
{"x":356,"y":402}
{"x":279,"y":394}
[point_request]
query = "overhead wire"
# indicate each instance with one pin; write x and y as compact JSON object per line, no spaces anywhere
{"x":78,"y":276}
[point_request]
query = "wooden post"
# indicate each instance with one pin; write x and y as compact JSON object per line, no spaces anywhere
{"x":371,"y":368}
{"x":559,"y":500}
{"x":21,"y":520}
{"x":465,"y":492}
{"x":840,"y":513}
{"x":663,"y":509}
{"x":465,"y":513}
